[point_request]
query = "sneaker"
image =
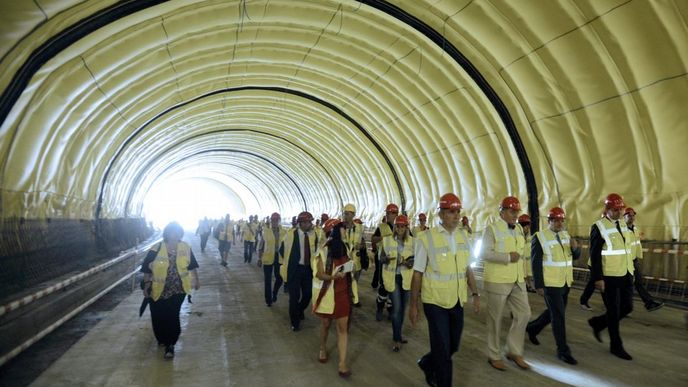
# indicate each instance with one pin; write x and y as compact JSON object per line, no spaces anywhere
{"x":169,"y":352}
{"x":654,"y":305}
{"x":586,"y":307}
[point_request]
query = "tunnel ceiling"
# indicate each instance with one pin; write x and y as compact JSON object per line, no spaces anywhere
{"x":311,"y":104}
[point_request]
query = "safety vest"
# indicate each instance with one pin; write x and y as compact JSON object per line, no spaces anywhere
{"x":385,"y":230}
{"x":617,"y":254}
{"x":636,"y":245}
{"x":506,"y":240}
{"x":271,"y":244}
{"x":444,"y":279}
{"x":288,"y":243}
{"x":389,"y":271}
{"x":227,"y":233}
{"x":557,"y":259}
{"x":526,"y":256}
{"x":249,"y":232}
{"x":352,"y":237}
{"x":326,"y":305}
{"x":161,"y":263}
{"x":417,"y":231}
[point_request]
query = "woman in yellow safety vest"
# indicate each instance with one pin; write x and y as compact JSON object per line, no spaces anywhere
{"x":335,"y":291}
{"x":168,"y":271}
{"x":396,"y":258}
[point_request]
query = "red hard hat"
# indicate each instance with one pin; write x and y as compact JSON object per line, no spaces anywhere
{"x":510,"y":202}
{"x":358,"y":221}
{"x":305,"y":216}
{"x":330,"y":224}
{"x":524,"y":219}
{"x":629,"y":210}
{"x":422,"y":216}
{"x":556,"y":213}
{"x":275,"y":215}
{"x":391,"y":207}
{"x":324,"y":217}
{"x":449,"y":201}
{"x":402,"y":220}
{"x":614,"y":201}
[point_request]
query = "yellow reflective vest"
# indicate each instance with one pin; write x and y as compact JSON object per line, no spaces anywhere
{"x":385,"y":230}
{"x":352,"y":237}
{"x":557,"y":259}
{"x":617,"y":253}
{"x":326,"y":305}
{"x":526,"y":255}
{"x":227,"y":232}
{"x":636,"y":245}
{"x":390,"y":248}
{"x":161,"y":263}
{"x":506,"y":241}
{"x":417,"y":231}
{"x":249,"y":232}
{"x":288,"y":242}
{"x":271,"y":245}
{"x":445,"y":281}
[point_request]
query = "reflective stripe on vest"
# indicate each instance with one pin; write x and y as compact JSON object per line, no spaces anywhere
{"x":444,"y":280}
{"x":557,"y":259}
{"x":271,"y":245}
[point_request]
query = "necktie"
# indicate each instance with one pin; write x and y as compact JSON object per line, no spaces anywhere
{"x":306,"y":250}
{"x":618,"y":227}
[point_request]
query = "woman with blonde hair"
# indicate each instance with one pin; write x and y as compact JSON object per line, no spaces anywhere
{"x":336,"y":292}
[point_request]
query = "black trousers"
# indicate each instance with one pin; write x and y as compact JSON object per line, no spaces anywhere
{"x":637,"y":281}
{"x":270,"y":292}
{"x":377,"y":274}
{"x":204,"y":240}
{"x":556,"y":300}
{"x":248,"y":251}
{"x":588,"y":291}
{"x":618,"y":299}
{"x":165,"y":319}
{"x":300,"y":284}
{"x":445,"y":327}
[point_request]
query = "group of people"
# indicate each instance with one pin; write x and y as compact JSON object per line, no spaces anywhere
{"x":321,"y":264}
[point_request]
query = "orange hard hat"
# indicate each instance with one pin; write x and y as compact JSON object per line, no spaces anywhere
{"x":524,"y":219}
{"x":358,"y":221}
{"x":510,"y":202}
{"x":401,"y":220}
{"x":629,"y":210}
{"x":324,"y":217}
{"x":614,"y":201}
{"x":422,"y":216}
{"x":556,"y":213}
{"x":330,"y":224}
{"x":275,"y":215}
{"x":391,"y":207}
{"x":449,"y":201}
{"x":305,"y":216}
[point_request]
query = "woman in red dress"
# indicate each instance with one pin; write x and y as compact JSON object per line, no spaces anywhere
{"x":334,"y":291}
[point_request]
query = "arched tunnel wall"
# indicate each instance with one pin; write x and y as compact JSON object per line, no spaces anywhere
{"x":315,"y":104}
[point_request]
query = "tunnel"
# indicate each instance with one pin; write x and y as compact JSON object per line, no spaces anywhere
{"x":119,"y":116}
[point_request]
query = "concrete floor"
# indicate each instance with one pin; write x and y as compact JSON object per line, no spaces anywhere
{"x":230,"y":338}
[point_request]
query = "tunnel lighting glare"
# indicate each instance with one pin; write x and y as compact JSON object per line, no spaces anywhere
{"x":186,"y":201}
{"x":567,"y":375}
{"x":476,"y":249}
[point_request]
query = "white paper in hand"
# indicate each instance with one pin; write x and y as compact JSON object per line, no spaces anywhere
{"x":347,"y":267}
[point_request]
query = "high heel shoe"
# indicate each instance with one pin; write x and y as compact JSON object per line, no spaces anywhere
{"x":345,"y":374}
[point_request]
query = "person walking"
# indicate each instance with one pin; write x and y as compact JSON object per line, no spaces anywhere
{"x":335,"y":291}
{"x":504,"y":282}
{"x":383,"y":230}
{"x":650,"y":304}
{"x":225,"y":239}
{"x":611,"y":258}
{"x":203,"y":231}
{"x":268,"y":257}
{"x":442,"y":277}
{"x":553,"y":252}
{"x":169,"y":273}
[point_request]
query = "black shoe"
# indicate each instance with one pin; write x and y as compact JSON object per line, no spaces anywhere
{"x":653,"y":305}
{"x":424,"y":364}
{"x":223,"y":263}
{"x":169,"y":352}
{"x":268,"y":304}
{"x":274,"y":297}
{"x":533,"y":338}
{"x":295,"y":328}
{"x":595,"y":331}
{"x":621,"y":353}
{"x":357,"y":305}
{"x":567,"y":358}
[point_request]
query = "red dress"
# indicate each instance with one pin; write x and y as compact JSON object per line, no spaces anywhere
{"x":342,"y":302}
